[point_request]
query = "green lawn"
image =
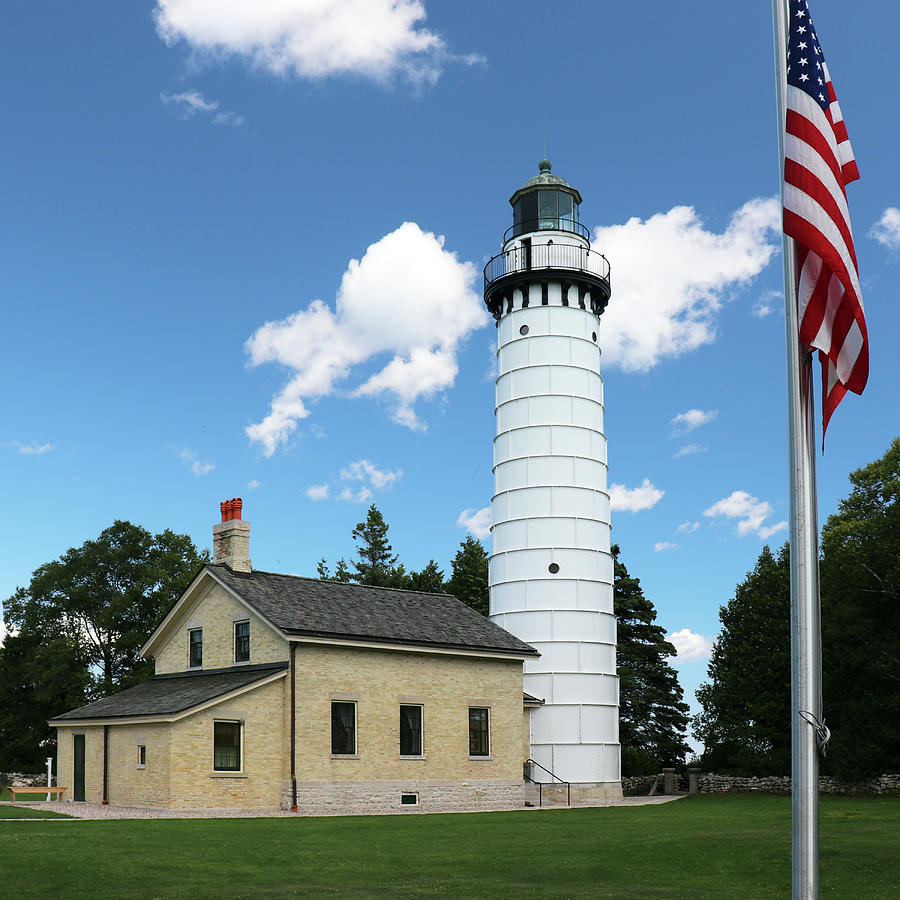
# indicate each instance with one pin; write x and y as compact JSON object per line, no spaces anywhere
{"x":704,"y":847}
{"x":9,"y":811}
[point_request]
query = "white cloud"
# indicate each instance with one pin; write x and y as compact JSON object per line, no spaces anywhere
{"x":190,"y":103}
{"x":363,"y":470}
{"x":3,"y":632}
{"x":253,"y":484}
{"x":693,"y":418}
{"x":190,"y":459}
{"x":689,"y":450}
{"x":660,"y":546}
{"x":32,"y":449}
{"x":311,"y":38}
{"x":750,"y":512}
{"x":887,"y":229}
{"x":687,"y":528}
{"x":371,"y":479}
{"x":317,"y":492}
{"x":671,"y":276}
{"x":767,"y":303}
{"x":634,"y":499}
{"x":477,"y":521}
{"x":407,"y":297}
{"x":689,"y":645}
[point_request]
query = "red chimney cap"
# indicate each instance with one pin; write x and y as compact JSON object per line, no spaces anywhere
{"x":231,"y":509}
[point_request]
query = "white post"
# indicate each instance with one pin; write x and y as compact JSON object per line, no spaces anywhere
{"x":806,"y":702}
{"x":49,"y":774}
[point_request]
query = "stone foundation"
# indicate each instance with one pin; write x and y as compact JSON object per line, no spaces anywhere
{"x":385,"y":797}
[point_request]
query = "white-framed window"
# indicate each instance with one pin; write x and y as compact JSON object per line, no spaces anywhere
{"x":142,"y":756}
{"x":343,"y":728}
{"x":242,"y":641}
{"x":195,"y":648}
{"x":227,"y":745}
{"x":479,"y":731}
{"x":411,"y":719}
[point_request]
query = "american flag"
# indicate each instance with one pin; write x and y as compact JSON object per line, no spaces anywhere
{"x":818,"y":165}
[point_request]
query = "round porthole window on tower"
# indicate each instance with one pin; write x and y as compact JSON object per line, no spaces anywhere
{"x":523,"y":330}
{"x":553,"y":568}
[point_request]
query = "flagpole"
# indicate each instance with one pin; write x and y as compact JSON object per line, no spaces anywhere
{"x":805,"y":652}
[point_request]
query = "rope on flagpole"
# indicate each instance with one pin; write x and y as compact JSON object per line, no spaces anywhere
{"x":823,"y":732}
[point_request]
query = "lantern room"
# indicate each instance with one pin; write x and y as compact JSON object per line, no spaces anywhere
{"x":545,"y":203}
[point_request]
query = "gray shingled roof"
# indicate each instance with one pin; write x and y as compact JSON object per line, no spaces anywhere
{"x":167,"y":695}
{"x":330,"y":609}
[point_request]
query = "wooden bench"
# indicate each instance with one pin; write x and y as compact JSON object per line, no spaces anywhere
{"x":58,"y":791}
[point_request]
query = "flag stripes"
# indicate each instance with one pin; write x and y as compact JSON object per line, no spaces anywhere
{"x":818,"y":165}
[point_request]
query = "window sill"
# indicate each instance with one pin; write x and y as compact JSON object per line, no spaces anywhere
{"x":345,"y":756}
{"x":141,"y":767}
{"x":421,"y":756}
{"x":241,"y":662}
{"x":227,"y":774}
{"x":485,"y":758}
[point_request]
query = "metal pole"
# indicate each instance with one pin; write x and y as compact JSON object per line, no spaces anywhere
{"x":805,"y":653}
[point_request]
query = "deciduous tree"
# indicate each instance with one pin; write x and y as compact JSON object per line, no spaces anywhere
{"x":745,"y":719}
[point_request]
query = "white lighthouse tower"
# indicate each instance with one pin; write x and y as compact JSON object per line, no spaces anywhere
{"x":551,"y":571}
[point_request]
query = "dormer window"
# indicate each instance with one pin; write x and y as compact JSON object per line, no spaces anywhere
{"x":241,"y":642}
{"x":195,"y":648}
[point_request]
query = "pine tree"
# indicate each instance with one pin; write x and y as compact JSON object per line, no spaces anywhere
{"x":430,"y":579}
{"x":652,"y":713}
{"x":469,"y":581}
{"x":376,"y":563}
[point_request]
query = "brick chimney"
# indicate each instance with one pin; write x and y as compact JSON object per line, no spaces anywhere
{"x":231,"y":537}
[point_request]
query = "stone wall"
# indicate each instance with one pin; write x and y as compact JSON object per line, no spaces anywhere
{"x":710,"y":783}
{"x":384,"y":797}
{"x":774,"y":784}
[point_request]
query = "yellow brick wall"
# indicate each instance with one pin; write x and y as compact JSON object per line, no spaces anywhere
{"x":380,"y":681}
{"x":93,"y":761}
{"x":128,"y":784}
{"x":264,"y":757}
{"x":216,"y":613}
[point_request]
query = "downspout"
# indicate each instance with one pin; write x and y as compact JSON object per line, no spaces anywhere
{"x":105,"y":800}
{"x":293,"y":727}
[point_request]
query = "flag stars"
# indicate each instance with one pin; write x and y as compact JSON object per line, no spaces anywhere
{"x":800,"y":14}
{"x":804,"y":77}
{"x":821,"y":97}
{"x":802,"y":45}
{"x":804,"y":61}
{"x":801,"y":29}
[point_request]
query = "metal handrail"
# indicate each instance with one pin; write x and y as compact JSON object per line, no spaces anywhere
{"x":546,"y":256}
{"x":546,"y":223}
{"x":541,"y":784}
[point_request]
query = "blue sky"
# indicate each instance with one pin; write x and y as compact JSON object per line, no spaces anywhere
{"x":242,"y":251}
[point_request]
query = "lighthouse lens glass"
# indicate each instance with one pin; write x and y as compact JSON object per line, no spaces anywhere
{"x":549,"y":208}
{"x":565,"y":212}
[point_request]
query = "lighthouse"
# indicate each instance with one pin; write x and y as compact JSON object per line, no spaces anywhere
{"x":551,"y":570}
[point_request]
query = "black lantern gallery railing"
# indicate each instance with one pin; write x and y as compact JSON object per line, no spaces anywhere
{"x":531,"y":258}
{"x":576,"y":266}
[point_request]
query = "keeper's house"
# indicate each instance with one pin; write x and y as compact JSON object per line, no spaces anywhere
{"x":280,"y":691}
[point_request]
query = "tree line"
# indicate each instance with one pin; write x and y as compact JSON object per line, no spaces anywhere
{"x":745,"y":720}
{"x":76,"y":630}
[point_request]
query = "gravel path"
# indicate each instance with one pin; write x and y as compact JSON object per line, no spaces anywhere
{"x":98,"y":811}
